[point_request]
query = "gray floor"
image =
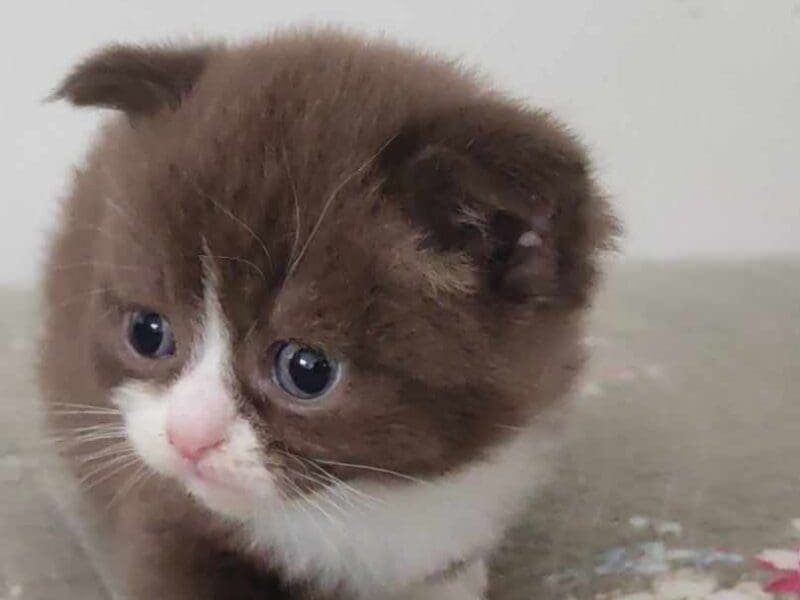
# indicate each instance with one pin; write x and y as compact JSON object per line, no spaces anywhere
{"x":683,"y":451}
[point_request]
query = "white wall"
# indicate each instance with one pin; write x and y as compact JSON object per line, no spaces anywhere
{"x":692,"y":108}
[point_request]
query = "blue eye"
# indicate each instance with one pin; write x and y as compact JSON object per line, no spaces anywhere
{"x":304,"y":372}
{"x":150,"y":335}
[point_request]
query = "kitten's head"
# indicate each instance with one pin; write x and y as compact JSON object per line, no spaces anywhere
{"x":313,"y":262}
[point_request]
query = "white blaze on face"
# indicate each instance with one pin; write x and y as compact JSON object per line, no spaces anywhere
{"x":191,"y":430}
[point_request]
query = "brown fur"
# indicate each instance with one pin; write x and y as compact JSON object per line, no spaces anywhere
{"x":352,"y":194}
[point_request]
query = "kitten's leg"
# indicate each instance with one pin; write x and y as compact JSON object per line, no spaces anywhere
{"x":468,"y":583}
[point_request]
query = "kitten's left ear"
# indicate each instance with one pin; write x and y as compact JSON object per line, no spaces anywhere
{"x":508,"y":188}
{"x":139,"y":81}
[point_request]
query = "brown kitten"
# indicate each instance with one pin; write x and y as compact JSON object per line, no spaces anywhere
{"x":328,"y":291}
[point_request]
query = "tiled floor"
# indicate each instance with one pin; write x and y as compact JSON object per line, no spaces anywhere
{"x":688,"y":415}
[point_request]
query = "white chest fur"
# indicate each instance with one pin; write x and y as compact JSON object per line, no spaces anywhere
{"x":407,"y":531}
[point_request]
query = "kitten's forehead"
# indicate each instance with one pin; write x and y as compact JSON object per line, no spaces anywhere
{"x":278,"y":180}
{"x":272,"y":247}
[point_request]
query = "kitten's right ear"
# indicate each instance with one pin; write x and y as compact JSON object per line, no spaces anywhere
{"x":138,"y":81}
{"x":507,"y":188}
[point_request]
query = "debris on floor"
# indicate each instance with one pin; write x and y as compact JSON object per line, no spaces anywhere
{"x":652,"y":558}
{"x":674,"y":573}
{"x":785,"y":567}
{"x":661,"y":528}
{"x":686,"y":585}
{"x":669,"y":528}
{"x":597,"y":386}
{"x":779,"y":560}
{"x":796,"y":527}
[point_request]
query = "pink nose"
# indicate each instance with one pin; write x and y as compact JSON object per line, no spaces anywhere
{"x":198,"y":422}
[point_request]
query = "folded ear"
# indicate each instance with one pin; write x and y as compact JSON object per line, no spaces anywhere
{"x":139,"y":81}
{"x":510,"y":189}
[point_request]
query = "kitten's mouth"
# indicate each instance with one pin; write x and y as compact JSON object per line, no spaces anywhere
{"x":222,"y":490}
{"x":205,"y":474}
{"x":224,"y":483}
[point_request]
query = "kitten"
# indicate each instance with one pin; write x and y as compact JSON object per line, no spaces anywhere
{"x":313,"y":305}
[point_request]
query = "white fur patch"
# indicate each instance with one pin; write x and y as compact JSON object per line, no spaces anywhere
{"x":409,"y":530}
{"x":230,"y":479}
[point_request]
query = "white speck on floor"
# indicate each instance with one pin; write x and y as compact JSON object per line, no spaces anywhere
{"x":10,"y":468}
{"x":783,"y":560}
{"x":796,"y":526}
{"x":655,"y":371}
{"x":684,"y":585}
{"x":669,"y":528}
{"x":688,"y":585}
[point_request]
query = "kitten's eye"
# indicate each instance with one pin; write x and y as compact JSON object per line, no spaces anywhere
{"x":150,"y":334}
{"x":304,"y":372}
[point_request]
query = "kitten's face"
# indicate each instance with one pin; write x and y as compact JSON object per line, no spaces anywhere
{"x":302,"y":282}
{"x":252,"y":367}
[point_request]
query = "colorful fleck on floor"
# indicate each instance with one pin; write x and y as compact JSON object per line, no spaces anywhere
{"x":666,"y":570}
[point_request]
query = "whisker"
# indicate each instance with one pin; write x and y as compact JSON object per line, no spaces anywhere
{"x":103,"y":466}
{"x":85,"y":411}
{"x":234,"y":218}
{"x":339,"y":492}
{"x":510,"y":427}
{"x":339,"y":481}
{"x":300,"y":495}
{"x":307,"y":498}
{"x":332,"y":484}
{"x":373,"y":469}
{"x":90,"y":406}
{"x":121,"y":467}
{"x":61,"y":440}
{"x":323,"y":482}
{"x":147,"y":475}
{"x":82,"y":433}
{"x":303,"y":504}
{"x":112,"y":450}
{"x":104,"y":427}
{"x":329,"y":201}
{"x":128,"y":486}
{"x":236,"y":259}
{"x":86,"y":264}
{"x":296,"y":204}
{"x":88,"y":438}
